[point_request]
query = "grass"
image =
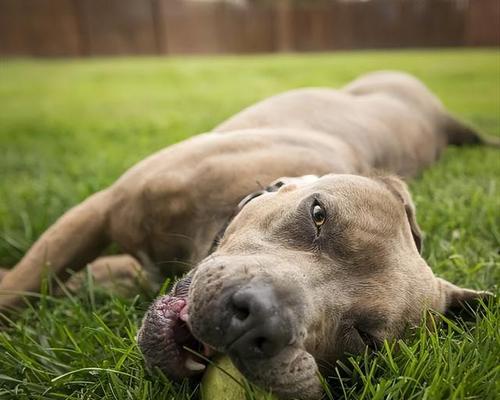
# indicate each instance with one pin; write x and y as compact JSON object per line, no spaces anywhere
{"x":69,"y":128}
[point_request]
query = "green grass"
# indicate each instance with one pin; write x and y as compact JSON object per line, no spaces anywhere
{"x":69,"y":128}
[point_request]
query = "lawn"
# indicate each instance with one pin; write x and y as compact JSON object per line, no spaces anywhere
{"x":69,"y":128}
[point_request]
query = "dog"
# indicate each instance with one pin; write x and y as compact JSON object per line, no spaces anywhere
{"x":302,"y":253}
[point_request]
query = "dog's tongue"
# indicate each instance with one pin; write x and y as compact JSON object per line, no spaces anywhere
{"x":206,"y":351}
{"x":183,"y":314}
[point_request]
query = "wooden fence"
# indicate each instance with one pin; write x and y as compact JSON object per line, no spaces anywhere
{"x":111,"y":27}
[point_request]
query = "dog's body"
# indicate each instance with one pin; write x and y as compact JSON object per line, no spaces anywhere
{"x":168,"y":210}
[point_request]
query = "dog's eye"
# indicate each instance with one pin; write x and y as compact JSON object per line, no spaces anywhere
{"x":318,"y":215}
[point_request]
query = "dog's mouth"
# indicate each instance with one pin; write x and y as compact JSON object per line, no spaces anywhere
{"x":165,"y":338}
{"x":167,"y":342}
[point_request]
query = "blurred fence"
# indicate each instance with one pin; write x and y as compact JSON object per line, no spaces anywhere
{"x":107,"y":27}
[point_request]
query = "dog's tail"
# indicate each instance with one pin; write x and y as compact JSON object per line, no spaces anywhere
{"x":459,"y":133}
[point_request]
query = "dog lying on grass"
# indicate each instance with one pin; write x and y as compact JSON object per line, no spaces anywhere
{"x":302,"y":252}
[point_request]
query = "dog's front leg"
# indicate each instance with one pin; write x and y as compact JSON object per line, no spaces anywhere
{"x":76,"y":239}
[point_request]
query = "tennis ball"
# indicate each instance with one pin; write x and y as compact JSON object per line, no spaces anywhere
{"x":218,"y":385}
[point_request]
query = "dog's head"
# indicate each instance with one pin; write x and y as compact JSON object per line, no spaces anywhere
{"x":307,"y":272}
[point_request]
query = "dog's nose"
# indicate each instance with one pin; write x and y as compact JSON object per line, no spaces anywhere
{"x":259,"y":326}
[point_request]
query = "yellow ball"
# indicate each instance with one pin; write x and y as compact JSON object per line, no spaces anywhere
{"x":217,"y":385}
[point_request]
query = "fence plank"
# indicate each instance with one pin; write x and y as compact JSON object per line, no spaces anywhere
{"x":483,"y":23}
{"x":119,"y":26}
{"x":44,"y":28}
{"x":107,"y":27}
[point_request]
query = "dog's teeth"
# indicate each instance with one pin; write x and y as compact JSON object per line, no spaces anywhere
{"x":193,"y":365}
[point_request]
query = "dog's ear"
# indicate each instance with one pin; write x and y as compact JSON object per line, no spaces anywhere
{"x":457,"y":301}
{"x":400,"y":190}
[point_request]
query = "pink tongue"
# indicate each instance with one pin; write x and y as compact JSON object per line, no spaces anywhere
{"x":181,"y":308}
{"x":183,"y":314}
{"x":208,"y":351}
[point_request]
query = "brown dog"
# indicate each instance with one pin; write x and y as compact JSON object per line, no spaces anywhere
{"x":305,"y":271}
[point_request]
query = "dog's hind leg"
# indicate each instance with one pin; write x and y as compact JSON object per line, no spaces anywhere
{"x":76,"y":239}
